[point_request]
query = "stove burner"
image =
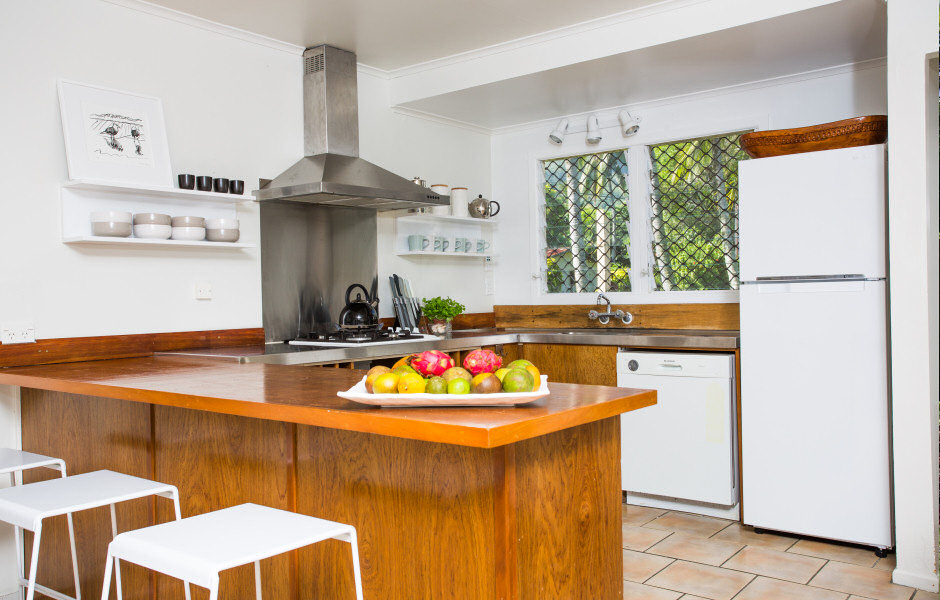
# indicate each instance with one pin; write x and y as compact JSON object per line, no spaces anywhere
{"x":364,"y":336}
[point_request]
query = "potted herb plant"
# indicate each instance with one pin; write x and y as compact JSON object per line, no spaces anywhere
{"x":440,"y":312}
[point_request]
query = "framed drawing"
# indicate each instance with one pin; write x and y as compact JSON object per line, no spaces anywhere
{"x":114,"y":136}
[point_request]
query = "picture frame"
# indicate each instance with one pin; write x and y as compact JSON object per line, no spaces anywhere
{"x":113,"y":135}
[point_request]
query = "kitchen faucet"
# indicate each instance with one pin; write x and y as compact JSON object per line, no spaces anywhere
{"x":605,"y":316}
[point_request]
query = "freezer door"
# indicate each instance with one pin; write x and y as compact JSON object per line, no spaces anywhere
{"x":814,"y":429}
{"x":819,"y":213}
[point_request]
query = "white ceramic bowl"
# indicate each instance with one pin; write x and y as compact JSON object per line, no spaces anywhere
{"x":221,"y":223}
{"x":222,"y":235}
{"x":110,"y":216}
{"x":191,"y":234}
{"x":151,"y":219}
{"x":110,"y":228}
{"x":152,"y":231}
{"x":188,"y":222}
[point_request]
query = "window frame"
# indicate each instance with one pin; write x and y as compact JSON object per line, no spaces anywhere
{"x":641,"y":273}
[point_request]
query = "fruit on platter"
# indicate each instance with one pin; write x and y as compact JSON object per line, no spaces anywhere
{"x":435,"y":372}
{"x":431,"y":362}
{"x":482,"y":361}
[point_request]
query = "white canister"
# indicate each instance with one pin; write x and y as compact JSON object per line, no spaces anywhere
{"x":443,"y":190}
{"x":459,"y":199}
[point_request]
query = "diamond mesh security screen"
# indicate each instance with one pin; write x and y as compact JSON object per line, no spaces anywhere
{"x":694,"y":213}
{"x":587,"y":234}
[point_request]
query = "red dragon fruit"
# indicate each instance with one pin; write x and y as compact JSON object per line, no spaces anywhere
{"x":482,"y":361}
{"x":431,"y":362}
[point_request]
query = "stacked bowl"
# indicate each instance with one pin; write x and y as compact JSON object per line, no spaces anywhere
{"x":154,"y":226}
{"x":222,"y":230}
{"x":111,"y":223}
{"x":188,"y":228}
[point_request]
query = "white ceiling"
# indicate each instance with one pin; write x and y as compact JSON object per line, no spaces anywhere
{"x":389,"y":35}
{"x":832,"y":35}
{"x":394,"y":36}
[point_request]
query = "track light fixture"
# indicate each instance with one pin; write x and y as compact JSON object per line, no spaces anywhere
{"x":593,"y":130}
{"x":629,"y":124}
{"x":557,"y":135}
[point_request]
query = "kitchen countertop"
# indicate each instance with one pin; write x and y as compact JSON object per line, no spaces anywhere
{"x":308,"y":396}
{"x":285,"y":354}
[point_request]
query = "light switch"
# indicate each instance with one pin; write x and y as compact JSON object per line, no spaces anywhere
{"x":203,"y":291}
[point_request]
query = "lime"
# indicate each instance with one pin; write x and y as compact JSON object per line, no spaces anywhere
{"x":458,"y":385}
{"x":518,"y":380}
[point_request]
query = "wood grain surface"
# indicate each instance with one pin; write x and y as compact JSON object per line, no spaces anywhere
{"x":307,"y":395}
{"x":90,"y":434}
{"x":526,"y":521}
{"x":122,"y":346}
{"x":592,"y":365}
{"x":645,"y":316}
{"x":218,"y":461}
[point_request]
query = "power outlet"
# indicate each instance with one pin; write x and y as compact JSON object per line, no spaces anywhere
{"x":17,"y":333}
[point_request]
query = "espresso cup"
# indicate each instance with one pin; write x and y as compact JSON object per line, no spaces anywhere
{"x":418,"y":242}
{"x":441,"y":243}
{"x":220,"y":185}
{"x":204,"y":183}
{"x":186,"y":181}
{"x":236,"y":186}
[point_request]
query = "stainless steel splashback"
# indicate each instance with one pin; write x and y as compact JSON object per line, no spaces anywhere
{"x":310,"y":254}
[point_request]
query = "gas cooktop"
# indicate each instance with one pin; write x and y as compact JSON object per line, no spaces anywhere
{"x":353,"y":338}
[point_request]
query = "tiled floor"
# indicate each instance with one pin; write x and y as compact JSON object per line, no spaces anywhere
{"x":669,"y":555}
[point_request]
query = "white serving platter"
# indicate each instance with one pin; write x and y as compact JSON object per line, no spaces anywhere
{"x":358,"y":393}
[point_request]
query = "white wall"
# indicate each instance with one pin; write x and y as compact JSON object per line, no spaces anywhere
{"x":232,"y":109}
{"x":792,"y":102}
{"x":438,"y":153}
{"x":913,"y":280}
{"x":9,"y":438}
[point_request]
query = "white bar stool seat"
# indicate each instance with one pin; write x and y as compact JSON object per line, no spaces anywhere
{"x":197,"y":548}
{"x":26,"y":506}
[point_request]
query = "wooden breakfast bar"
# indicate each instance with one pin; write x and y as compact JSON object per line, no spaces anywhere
{"x":457,"y":503}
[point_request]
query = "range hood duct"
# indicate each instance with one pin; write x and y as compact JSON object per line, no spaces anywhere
{"x":331,"y":171}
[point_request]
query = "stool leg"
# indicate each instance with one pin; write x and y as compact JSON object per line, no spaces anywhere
{"x":257,"y":580}
{"x":117,"y":563}
{"x":78,"y":588}
{"x":34,"y":563}
{"x":357,"y":576}
{"x":179,"y":515}
{"x":18,"y":534}
{"x":106,"y":586}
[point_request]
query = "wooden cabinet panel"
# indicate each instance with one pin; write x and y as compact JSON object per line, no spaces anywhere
{"x":89,"y":433}
{"x":590,"y":365}
{"x":569,"y":513}
{"x":645,"y":316}
{"x":218,"y":461}
{"x":423,"y":512}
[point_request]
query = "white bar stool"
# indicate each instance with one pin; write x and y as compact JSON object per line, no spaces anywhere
{"x":16,"y":461}
{"x":26,"y":506}
{"x":197,"y":548}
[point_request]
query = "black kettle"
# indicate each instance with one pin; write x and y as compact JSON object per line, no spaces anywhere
{"x":360,"y":313}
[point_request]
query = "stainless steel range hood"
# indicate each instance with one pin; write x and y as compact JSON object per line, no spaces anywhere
{"x":331,"y":171}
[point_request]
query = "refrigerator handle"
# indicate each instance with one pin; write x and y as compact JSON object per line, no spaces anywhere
{"x":811,"y":279}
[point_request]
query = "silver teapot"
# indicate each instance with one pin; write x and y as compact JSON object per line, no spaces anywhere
{"x":481,"y":208}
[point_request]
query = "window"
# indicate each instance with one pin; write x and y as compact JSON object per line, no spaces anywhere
{"x":689,"y":211}
{"x":587,"y":223}
{"x":694,"y":213}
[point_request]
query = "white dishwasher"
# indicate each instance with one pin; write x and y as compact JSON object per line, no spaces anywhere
{"x":682,"y":452}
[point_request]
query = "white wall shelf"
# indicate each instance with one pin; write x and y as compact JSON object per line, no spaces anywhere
{"x":478,"y":232}
{"x":95,"y":239}
{"x":79,"y":198}
{"x":154,"y":191}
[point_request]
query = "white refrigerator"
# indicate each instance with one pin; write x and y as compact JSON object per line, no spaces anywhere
{"x":815,"y":453}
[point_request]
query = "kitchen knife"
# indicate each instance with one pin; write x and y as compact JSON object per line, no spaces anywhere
{"x":413,"y":305}
{"x":396,"y":301}
{"x":406,"y":321}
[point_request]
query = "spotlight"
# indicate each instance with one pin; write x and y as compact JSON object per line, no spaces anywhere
{"x":558,"y":134}
{"x":628,"y":123}
{"x":593,"y":130}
